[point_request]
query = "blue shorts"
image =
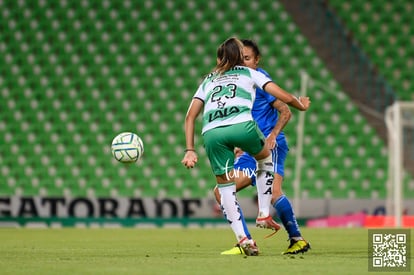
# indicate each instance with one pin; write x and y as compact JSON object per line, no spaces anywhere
{"x":247,"y":164}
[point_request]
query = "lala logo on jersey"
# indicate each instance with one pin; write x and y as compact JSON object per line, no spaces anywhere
{"x":224,"y":112}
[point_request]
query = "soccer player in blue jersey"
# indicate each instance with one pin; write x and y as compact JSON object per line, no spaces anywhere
{"x":265,"y":111}
{"x":225,"y":98}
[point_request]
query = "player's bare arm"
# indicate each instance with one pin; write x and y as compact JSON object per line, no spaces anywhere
{"x":190,"y":158}
{"x":284,"y":116}
{"x":302,"y":103}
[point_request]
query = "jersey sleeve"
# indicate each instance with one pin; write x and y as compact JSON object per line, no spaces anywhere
{"x":200,"y":94}
{"x":263,"y":72}
{"x":260,"y":79}
{"x":269,"y":98}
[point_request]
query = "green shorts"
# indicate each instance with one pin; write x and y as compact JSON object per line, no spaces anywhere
{"x":220,"y":142}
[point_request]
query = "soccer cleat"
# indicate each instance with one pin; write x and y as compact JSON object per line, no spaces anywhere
{"x":295,"y":247}
{"x":236,"y":250}
{"x":249,"y":247}
{"x":268,"y":223}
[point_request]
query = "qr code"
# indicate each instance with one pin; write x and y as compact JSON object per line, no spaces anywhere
{"x":390,"y":250}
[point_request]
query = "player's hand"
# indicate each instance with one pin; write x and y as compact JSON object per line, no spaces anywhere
{"x":237,"y":152}
{"x":305,"y":101}
{"x":270,"y":141}
{"x":190,"y":159}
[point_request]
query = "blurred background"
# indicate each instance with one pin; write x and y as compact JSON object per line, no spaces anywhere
{"x":74,"y":74}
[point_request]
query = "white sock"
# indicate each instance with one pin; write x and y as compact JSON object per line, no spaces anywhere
{"x":264,"y":185}
{"x":231,"y":209}
{"x":264,"y":182}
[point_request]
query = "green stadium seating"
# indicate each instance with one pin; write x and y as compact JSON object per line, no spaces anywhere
{"x":73,"y":76}
{"x":384,"y":32}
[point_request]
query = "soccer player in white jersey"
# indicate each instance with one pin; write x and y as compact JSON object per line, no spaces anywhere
{"x":266,"y":109}
{"x":226,"y":98}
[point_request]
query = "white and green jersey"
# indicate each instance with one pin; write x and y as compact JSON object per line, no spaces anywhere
{"x":228,"y":98}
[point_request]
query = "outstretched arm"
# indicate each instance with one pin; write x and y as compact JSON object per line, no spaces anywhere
{"x":190,"y":157}
{"x":301,"y":103}
{"x":284,"y":117}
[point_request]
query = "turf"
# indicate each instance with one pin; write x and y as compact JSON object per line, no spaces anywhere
{"x":176,"y":251}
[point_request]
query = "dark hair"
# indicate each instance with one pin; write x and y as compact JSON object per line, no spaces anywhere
{"x":229,"y":54}
{"x":250,"y":43}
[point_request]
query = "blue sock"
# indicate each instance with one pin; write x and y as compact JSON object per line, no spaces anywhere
{"x":285,"y":213}
{"x":245,"y":228}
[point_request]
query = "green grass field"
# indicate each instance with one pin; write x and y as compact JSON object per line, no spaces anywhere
{"x":176,"y":251}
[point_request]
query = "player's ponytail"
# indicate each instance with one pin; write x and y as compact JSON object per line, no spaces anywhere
{"x":229,"y":55}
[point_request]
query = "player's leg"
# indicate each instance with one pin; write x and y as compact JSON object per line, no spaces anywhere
{"x":245,"y":168}
{"x":264,"y":185}
{"x":233,"y":213}
{"x":242,"y":181}
{"x":253,"y":143}
{"x":221,"y":159}
{"x":282,"y":204}
{"x":244,"y":173}
{"x":284,"y":209}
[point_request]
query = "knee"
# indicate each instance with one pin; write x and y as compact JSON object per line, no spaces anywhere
{"x":265,"y":164}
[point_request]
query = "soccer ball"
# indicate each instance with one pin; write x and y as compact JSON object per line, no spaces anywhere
{"x":127,"y":147}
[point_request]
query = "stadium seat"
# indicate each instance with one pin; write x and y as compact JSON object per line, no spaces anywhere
{"x":95,"y":71}
{"x":381,"y":23}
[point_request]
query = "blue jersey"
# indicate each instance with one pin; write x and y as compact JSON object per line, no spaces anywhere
{"x":266,"y":117}
{"x":263,"y":113}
